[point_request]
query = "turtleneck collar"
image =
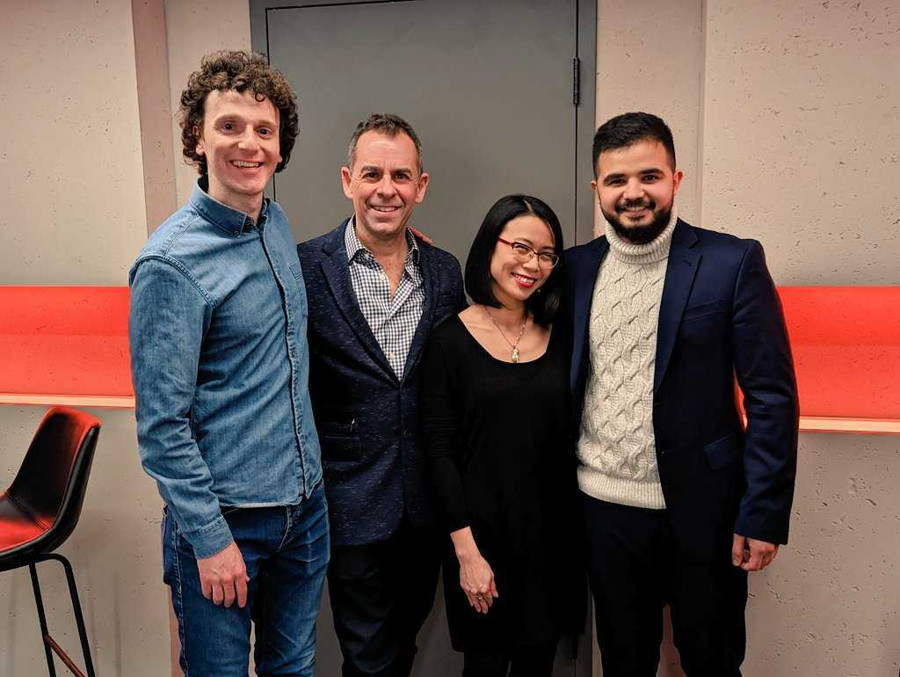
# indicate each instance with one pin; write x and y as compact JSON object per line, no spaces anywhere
{"x":653,"y":251}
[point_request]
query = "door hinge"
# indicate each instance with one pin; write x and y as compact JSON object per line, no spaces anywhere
{"x":576,"y":81}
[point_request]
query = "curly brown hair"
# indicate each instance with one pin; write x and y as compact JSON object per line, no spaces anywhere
{"x":239,"y":71}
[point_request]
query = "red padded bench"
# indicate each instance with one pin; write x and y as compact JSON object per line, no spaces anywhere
{"x":846,"y":345}
{"x":69,"y":345}
{"x":65,"y":345}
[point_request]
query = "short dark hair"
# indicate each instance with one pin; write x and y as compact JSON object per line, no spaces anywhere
{"x":388,"y":124}
{"x":542,"y":305}
{"x":629,"y":128}
{"x":237,"y":71}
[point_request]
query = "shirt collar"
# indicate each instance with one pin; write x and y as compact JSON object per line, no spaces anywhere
{"x":231,"y":220}
{"x":354,"y":246}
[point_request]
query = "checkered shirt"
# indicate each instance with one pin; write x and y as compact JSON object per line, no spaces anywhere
{"x":392,"y":321}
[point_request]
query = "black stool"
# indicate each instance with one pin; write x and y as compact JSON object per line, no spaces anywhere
{"x":41,"y":508}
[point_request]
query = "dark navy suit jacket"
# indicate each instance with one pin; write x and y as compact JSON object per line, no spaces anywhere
{"x":366,"y":416}
{"x":719,"y":317}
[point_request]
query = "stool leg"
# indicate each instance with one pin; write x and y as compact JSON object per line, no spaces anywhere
{"x":79,"y":618}
{"x":42,"y":618}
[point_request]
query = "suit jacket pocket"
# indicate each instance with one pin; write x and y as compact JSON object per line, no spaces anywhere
{"x":724,"y":451}
{"x":702,"y":310}
{"x":340,"y":441}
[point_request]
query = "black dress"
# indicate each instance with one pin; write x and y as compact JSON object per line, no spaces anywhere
{"x":501,"y":462}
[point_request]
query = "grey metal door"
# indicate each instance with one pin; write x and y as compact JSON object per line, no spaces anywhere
{"x":492,"y":88}
{"x":489,"y":86}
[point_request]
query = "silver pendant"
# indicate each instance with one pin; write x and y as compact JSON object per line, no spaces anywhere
{"x":515,"y":354}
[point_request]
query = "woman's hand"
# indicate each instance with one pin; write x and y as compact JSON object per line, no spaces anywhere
{"x":476,"y":577}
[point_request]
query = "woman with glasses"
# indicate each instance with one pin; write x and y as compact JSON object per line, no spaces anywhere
{"x":494,"y":403}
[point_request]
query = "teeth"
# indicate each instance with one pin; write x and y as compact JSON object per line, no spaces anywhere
{"x":242,"y":163}
{"x":385,"y":210}
{"x":524,"y":279}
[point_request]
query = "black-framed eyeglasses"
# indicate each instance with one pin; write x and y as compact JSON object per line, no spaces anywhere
{"x":525,"y":253}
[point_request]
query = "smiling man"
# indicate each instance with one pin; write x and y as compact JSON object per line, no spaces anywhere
{"x":680,"y":501}
{"x":220,"y":368}
{"x":375,"y":292}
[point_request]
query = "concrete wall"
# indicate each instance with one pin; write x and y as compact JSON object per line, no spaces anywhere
{"x":785,"y":116}
{"x":71,"y":182}
{"x":73,"y":212}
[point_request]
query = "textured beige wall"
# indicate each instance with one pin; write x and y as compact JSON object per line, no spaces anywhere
{"x":791,"y":136}
{"x":71,"y":182}
{"x":152,"y":71}
{"x":802,"y":135}
{"x":74,"y":213}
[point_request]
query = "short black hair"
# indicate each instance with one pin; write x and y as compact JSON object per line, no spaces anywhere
{"x":388,"y":124}
{"x":543,"y":305}
{"x":629,"y":128}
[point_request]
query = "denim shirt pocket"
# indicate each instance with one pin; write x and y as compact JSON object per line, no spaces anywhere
{"x":297,"y":272}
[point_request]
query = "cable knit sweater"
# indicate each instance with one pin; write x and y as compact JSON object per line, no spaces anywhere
{"x":616,"y":445}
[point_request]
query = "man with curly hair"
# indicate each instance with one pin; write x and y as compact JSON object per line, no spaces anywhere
{"x":220,"y":365}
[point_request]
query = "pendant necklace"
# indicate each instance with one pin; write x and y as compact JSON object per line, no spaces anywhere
{"x":514,"y":346}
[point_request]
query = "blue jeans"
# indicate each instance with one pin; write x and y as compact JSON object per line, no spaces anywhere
{"x":286,"y":551}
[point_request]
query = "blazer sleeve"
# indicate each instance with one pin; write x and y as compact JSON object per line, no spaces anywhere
{"x":459,"y":292}
{"x":765,"y":373}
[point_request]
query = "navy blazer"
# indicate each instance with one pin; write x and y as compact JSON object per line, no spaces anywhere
{"x":720,"y":316}
{"x":365,"y":415}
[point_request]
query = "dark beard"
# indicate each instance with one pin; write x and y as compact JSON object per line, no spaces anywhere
{"x":640,"y":234}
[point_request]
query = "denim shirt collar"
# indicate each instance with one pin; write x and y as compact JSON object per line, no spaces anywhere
{"x":232,"y":221}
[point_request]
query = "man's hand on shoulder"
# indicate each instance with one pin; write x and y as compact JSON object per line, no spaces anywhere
{"x":422,"y":236}
{"x":223,"y":577}
{"x":752,"y":555}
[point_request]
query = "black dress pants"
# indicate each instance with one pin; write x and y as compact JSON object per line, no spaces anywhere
{"x":534,"y":661}
{"x":381,"y":593}
{"x":635,"y":569}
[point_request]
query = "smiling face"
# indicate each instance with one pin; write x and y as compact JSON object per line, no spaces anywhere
{"x":636,"y":187}
{"x":240,"y":142}
{"x":512,"y":279}
{"x":384,"y":184}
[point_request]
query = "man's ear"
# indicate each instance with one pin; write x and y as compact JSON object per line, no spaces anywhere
{"x":346,"y":179}
{"x":199,"y":147}
{"x":423,"y":185}
{"x":676,"y":180}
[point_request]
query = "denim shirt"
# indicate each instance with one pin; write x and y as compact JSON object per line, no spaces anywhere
{"x":220,"y":366}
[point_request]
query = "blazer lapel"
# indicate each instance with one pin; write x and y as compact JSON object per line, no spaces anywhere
{"x":427,"y":319}
{"x":336,"y":269}
{"x":584,"y":278}
{"x":684,"y":261}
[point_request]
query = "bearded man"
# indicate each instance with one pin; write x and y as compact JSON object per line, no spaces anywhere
{"x":680,"y":500}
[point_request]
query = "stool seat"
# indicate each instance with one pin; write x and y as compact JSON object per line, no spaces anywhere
{"x":16,"y":527}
